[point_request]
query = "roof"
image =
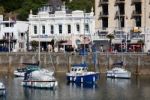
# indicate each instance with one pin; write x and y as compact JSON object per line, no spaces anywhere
{"x":34,"y":64}
{"x":80,"y":65}
{"x":69,"y":42}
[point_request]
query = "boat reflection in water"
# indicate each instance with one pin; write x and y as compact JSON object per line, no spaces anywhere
{"x":82,"y":85}
{"x":123,"y":83}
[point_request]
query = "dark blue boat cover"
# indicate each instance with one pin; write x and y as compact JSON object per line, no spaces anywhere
{"x":80,"y":65}
{"x":118,"y":63}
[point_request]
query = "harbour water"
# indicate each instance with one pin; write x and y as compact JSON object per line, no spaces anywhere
{"x":136,"y":88}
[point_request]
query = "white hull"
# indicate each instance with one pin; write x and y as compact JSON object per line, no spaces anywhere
{"x":19,"y":74}
{"x":118,"y":73}
{"x":40,"y":84}
{"x":2,"y":89}
{"x":42,"y":79}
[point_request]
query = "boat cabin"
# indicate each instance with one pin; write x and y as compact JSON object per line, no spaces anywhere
{"x":79,"y":68}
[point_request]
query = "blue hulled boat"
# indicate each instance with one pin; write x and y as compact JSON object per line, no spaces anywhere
{"x":79,"y":73}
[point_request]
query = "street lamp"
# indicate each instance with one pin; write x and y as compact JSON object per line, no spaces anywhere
{"x":39,"y":59}
{"x":9,"y":38}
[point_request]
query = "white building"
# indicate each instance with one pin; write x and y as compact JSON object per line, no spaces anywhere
{"x":60,"y":25}
{"x":13,"y":35}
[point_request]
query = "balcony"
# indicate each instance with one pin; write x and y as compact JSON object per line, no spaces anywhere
{"x":136,"y":13}
{"x":7,"y":38}
{"x":136,"y":1}
{"x":101,"y":34}
{"x":103,"y":2}
{"x":119,"y":2}
{"x":103,"y":14}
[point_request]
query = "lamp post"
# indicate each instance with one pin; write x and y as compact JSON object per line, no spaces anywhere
{"x":145,"y":39}
{"x":9,"y":38}
{"x":39,"y":59}
{"x":27,"y":37}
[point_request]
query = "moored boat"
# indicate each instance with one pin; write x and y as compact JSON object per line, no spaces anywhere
{"x":2,"y":89}
{"x":79,"y":73}
{"x":118,"y":72}
{"x":20,"y":72}
{"x":42,"y":79}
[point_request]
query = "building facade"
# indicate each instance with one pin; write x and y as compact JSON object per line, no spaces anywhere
{"x":128,"y":20}
{"x":60,"y":25}
{"x":13,"y":35}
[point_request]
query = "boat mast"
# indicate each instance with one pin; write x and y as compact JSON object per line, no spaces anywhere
{"x":84,"y":51}
{"x":119,"y":24}
{"x":39,"y":59}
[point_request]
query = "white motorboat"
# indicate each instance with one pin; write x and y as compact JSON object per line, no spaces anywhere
{"x":2,"y":89}
{"x":118,"y":72}
{"x":42,"y":79}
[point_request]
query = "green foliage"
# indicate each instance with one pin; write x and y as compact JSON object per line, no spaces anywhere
{"x":34,"y":44}
{"x":141,"y":42}
{"x":110,"y":36}
{"x":80,"y":5}
{"x":2,"y":10}
{"x":22,"y":7}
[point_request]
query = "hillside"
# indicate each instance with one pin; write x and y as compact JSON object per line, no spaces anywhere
{"x":19,"y":9}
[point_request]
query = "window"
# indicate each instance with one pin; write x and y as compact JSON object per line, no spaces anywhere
{"x":52,"y":29}
{"x":21,"y":45}
{"x":86,"y":28}
{"x":43,"y":29}
{"x":69,"y":29}
{"x":104,"y":22}
{"x":138,"y":21}
{"x":78,"y":27}
{"x":60,"y":29}
{"x":9,"y":25}
{"x":35,"y":29}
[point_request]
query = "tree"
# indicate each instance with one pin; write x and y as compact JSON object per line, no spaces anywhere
{"x":2,"y":10}
{"x":141,"y":42}
{"x":80,"y":5}
{"x":110,"y":37}
{"x":34,"y":44}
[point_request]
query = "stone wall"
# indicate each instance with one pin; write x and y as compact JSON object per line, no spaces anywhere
{"x":61,"y":62}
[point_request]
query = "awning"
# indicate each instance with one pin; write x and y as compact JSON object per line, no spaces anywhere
{"x":68,"y":42}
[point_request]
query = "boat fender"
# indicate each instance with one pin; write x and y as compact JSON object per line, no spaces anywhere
{"x":93,"y":79}
{"x":81,"y":79}
{"x":74,"y":78}
{"x":70,"y":78}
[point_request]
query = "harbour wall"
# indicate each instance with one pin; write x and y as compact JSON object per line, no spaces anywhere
{"x":137,"y":63}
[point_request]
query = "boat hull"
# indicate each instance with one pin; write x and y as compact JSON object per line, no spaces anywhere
{"x":2,"y":92}
{"x":118,"y":75}
{"x":90,"y":78}
{"x":40,"y":84}
{"x":19,"y":74}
